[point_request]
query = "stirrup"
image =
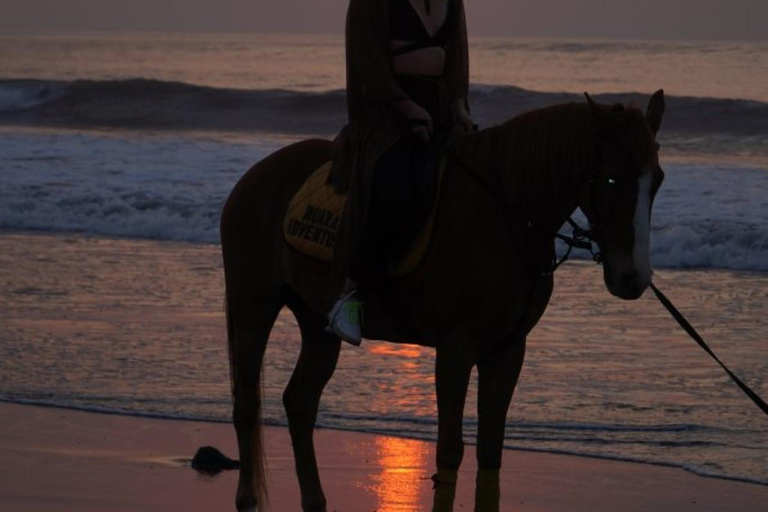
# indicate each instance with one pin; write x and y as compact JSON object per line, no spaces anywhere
{"x":346,"y":318}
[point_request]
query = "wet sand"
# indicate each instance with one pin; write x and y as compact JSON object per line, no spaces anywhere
{"x":137,"y":326}
{"x":72,"y":460}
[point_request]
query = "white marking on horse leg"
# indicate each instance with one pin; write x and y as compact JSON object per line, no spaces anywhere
{"x":641,"y":253}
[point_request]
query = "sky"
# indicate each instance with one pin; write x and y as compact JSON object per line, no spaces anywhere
{"x":628,"y":19}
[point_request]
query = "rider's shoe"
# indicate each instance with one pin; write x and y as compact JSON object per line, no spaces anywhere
{"x":346,"y":319}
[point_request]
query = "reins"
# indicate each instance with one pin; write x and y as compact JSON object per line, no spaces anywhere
{"x":580,"y":238}
{"x":584,"y":239}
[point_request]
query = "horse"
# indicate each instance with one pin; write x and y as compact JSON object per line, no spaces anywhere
{"x":505,"y":193}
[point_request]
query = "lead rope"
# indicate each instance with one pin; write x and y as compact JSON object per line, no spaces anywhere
{"x":584,"y":239}
{"x":687,"y":327}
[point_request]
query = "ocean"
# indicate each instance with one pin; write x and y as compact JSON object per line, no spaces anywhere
{"x":118,"y":151}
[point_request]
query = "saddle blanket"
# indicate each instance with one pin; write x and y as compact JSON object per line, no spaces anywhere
{"x":314,"y":215}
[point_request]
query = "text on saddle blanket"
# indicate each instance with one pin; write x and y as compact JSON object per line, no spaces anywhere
{"x":313,"y":218}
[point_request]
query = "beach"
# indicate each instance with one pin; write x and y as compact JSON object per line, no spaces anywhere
{"x":113,"y":362}
{"x":71,"y":460}
{"x":136,"y":327}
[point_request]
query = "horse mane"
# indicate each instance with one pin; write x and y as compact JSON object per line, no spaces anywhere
{"x":541,"y":156}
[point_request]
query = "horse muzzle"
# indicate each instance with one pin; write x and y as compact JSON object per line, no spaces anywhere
{"x":627,"y":283}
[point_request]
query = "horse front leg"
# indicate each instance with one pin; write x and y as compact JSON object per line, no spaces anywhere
{"x":498,"y":372}
{"x":452,"y":371}
{"x":316,"y":364}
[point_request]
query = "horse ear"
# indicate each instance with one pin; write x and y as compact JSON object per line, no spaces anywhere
{"x":592,"y":105}
{"x":655,"y":111}
{"x":598,"y":114}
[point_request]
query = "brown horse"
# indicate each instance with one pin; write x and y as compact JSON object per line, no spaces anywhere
{"x":506,"y":191}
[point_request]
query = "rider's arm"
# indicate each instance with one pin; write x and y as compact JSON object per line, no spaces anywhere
{"x":457,"y":71}
{"x":370,"y":74}
{"x":370,"y":70}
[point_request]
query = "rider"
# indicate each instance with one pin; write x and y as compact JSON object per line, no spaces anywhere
{"x":407,"y":82}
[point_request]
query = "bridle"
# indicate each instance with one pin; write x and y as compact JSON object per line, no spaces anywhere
{"x":580,"y":239}
{"x":588,"y":238}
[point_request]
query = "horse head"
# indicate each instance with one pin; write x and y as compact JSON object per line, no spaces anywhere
{"x":618,"y":196}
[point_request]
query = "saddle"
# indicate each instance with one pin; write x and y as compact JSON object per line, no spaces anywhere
{"x":312,"y":221}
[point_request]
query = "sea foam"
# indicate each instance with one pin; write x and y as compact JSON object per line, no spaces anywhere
{"x":173,"y":187}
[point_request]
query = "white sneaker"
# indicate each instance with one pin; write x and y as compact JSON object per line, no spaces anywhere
{"x":346,"y":318}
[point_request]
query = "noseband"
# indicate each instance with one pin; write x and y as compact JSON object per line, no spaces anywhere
{"x":582,"y":238}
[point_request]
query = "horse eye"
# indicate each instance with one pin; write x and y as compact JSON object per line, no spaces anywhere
{"x":611,"y":181}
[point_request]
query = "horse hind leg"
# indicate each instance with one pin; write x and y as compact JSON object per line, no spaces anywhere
{"x":315,"y":366}
{"x":249,"y":323}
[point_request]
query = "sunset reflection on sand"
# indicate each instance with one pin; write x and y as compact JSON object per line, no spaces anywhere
{"x":403,"y":475}
{"x":396,"y":350}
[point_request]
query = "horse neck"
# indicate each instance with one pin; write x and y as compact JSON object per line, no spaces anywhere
{"x":545,"y":157}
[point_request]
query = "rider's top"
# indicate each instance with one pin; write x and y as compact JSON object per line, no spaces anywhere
{"x":406,"y":25}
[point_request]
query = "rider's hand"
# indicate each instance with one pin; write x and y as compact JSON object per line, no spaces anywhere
{"x":422,"y":132}
{"x":463,"y":122}
{"x":418,"y":118}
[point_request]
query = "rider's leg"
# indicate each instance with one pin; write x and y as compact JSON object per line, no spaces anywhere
{"x":392,"y":206}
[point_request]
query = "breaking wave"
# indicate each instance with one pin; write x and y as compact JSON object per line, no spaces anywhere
{"x":172,"y":187}
{"x":144,"y":103}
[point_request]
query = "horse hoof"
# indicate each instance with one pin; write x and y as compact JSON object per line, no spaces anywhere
{"x":318,"y":507}
{"x":247,"y":508}
{"x":246,"y":505}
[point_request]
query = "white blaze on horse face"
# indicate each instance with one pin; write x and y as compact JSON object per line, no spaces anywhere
{"x":641,"y":253}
